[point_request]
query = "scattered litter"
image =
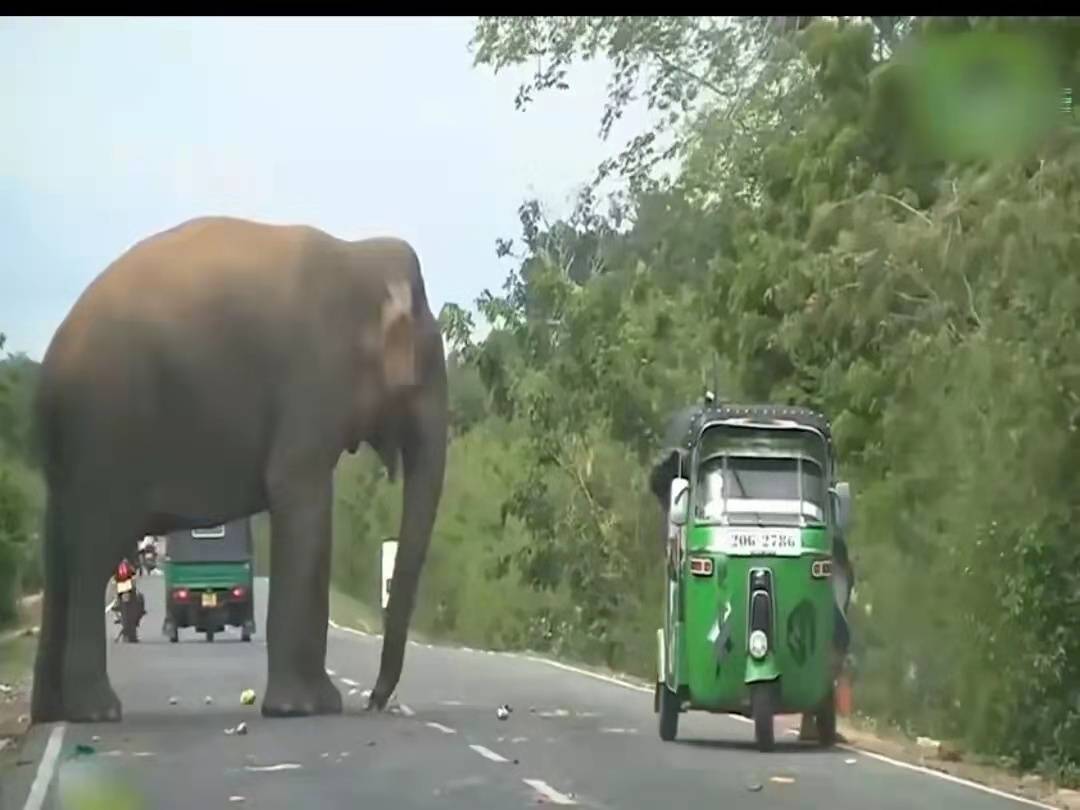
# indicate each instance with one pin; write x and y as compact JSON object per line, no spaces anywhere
{"x":5,"y":689}
{"x":173,"y":700}
{"x":587,"y":714}
{"x":928,"y":742}
{"x":343,"y":754}
{"x":503,"y":712}
{"x":519,"y":739}
{"x":144,"y":754}
{"x":450,"y":702}
{"x":353,"y":692}
{"x":241,"y":729}
{"x":331,"y":672}
{"x":236,"y":799}
{"x":208,"y":700}
{"x":349,"y":682}
{"x":247,"y":697}
{"x":618,"y":731}
{"x":782,"y":780}
{"x":84,"y":750}
{"x":754,"y":787}
{"x":95,"y":738}
{"x":324,"y":755}
{"x":284,"y":766}
{"x":113,"y":753}
{"x":850,"y":761}
{"x":4,"y":743}
{"x":366,"y":693}
{"x":24,"y":719}
{"x":371,"y":743}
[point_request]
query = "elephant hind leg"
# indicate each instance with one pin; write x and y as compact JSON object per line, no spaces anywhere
{"x":297,"y":683}
{"x":47,"y":701}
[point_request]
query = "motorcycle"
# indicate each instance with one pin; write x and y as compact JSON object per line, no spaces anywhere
{"x":129,"y":606}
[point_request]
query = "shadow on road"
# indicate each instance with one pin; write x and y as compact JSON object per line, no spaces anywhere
{"x":781,"y":746}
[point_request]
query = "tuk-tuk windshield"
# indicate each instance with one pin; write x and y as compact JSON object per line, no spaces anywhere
{"x":231,"y":542}
{"x":761,"y":476}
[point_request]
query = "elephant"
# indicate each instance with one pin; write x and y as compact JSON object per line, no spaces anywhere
{"x":213,"y":371}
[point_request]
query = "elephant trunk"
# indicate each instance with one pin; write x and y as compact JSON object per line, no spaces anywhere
{"x":424,"y":461}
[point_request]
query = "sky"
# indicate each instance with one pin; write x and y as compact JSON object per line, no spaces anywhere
{"x":119,"y":128}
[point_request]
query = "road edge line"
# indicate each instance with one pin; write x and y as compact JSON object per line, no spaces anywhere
{"x":948,"y":777}
{"x":35,"y":799}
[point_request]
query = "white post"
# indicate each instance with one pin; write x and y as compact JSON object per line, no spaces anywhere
{"x":389,"y":555}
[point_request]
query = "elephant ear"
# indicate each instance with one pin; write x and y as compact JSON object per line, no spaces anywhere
{"x":399,"y":337}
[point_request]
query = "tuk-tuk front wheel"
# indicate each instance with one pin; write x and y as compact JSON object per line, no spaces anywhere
{"x":247,"y":630}
{"x":763,"y":709}
{"x":669,"y":712}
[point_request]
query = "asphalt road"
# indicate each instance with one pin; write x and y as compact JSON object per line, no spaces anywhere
{"x":571,"y":738}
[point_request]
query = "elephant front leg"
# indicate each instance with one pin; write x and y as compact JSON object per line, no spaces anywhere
{"x":297,"y":683}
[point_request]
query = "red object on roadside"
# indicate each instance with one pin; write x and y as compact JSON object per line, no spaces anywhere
{"x":843,"y":696}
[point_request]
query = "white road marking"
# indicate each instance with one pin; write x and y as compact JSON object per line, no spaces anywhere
{"x":352,"y":630}
{"x":40,"y":788}
{"x":487,"y":753}
{"x":948,"y":777}
{"x":440,"y":727}
{"x":548,"y":792}
{"x":450,"y":702}
{"x":637,"y":687}
{"x":284,"y":766}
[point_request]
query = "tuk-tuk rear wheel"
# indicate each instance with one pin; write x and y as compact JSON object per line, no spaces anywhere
{"x":763,"y":709}
{"x":669,"y":713}
{"x":825,"y":720}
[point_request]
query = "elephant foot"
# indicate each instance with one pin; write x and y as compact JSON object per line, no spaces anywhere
{"x":46,"y":708}
{"x":301,"y":697}
{"x":380,"y":695}
{"x":91,"y":703}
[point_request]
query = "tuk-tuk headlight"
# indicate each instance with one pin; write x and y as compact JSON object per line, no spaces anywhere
{"x":759,"y":644}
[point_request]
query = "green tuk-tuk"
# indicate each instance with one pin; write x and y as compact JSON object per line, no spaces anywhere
{"x":209,"y":579}
{"x":757,"y":572}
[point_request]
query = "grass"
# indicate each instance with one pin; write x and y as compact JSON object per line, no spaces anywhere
{"x":351,"y":612}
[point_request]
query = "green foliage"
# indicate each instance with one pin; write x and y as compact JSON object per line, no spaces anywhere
{"x":21,"y":487}
{"x":809,"y":249}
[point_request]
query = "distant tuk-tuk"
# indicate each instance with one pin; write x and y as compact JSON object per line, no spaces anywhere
{"x":209,"y":580}
{"x":757,"y":572}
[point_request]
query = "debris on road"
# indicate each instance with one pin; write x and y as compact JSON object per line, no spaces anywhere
{"x":371,"y":743}
{"x":929,"y":743}
{"x":208,"y":700}
{"x":503,"y":712}
{"x":782,"y":780}
{"x":95,"y":738}
{"x":618,"y":731}
{"x":247,"y":697}
{"x":241,"y":729}
{"x":324,"y":755}
{"x":554,"y":713}
{"x":236,"y":799}
{"x":5,"y":689}
{"x":519,"y":739}
{"x":24,"y":719}
{"x":173,"y":700}
{"x":353,"y":692}
{"x":850,"y":761}
{"x":754,"y":787}
{"x":144,"y":754}
{"x":284,"y":766}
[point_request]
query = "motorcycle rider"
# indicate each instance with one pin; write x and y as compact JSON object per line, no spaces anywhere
{"x":126,"y":571}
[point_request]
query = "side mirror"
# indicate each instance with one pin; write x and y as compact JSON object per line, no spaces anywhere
{"x":389,"y":556}
{"x":679,"y":501}
{"x":842,"y":504}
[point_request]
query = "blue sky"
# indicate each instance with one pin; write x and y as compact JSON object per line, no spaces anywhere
{"x":116,"y":129}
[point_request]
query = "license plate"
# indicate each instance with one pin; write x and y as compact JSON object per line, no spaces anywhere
{"x":124,"y":586}
{"x":746,"y":542}
{"x":209,"y":600}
